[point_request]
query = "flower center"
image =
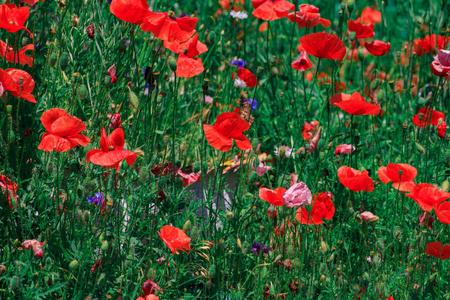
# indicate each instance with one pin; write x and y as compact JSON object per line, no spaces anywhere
{"x":111,"y":148}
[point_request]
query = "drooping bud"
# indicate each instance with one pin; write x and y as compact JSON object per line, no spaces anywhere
{"x":83,"y":92}
{"x":172,"y":63}
{"x":64,"y":61}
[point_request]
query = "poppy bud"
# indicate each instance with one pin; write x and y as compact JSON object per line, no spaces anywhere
{"x":172,"y":63}
{"x":352,"y":35}
{"x":64,"y":61}
{"x":187,"y":226}
{"x":264,"y":273}
{"x":272,"y":289}
{"x":272,"y":212}
{"x":53,"y":59}
{"x":361,"y":55}
{"x":194,"y":233}
{"x":151,"y":274}
{"x":323,"y":246}
{"x":107,"y":81}
{"x":73,"y":266}
{"x":83,"y":92}
{"x":105,"y":246}
{"x":420,"y":148}
{"x":86,"y":216}
{"x":101,"y":238}
{"x":12,"y":136}
{"x":350,"y":6}
{"x":296,"y":263}
{"x":253,"y":177}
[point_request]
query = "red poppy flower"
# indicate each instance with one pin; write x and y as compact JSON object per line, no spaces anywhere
{"x":322,"y":208}
{"x":111,"y":152}
{"x":308,"y":17}
{"x":131,"y":11}
{"x":150,"y":288}
{"x":12,"y":18}
{"x":403,"y":182}
{"x":169,"y":28}
{"x":274,"y":197}
{"x":378,"y":48}
{"x":10,"y":189}
{"x":271,"y":9}
{"x":323,"y":45}
{"x":63,"y":131}
{"x":308,"y":130}
{"x":427,"y":196}
{"x":302,"y":63}
{"x":370,"y":16}
{"x":23,"y":84}
{"x":355,"y":180}
{"x":175,"y":239}
{"x":430,"y":44}
{"x":247,"y":76}
{"x":32,"y":2}
{"x":354,"y":104}
{"x":362,"y":30}
{"x":426,"y":116}
{"x":443,"y":212}
{"x":189,"y":178}
{"x":148,"y":297}
{"x":442,"y":128}
{"x":435,"y":249}
{"x":228,"y":126}
{"x":8,"y":83}
{"x":190,"y":47}
{"x":10,"y":55}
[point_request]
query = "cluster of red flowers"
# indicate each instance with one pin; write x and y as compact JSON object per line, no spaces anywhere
{"x":176,"y":32}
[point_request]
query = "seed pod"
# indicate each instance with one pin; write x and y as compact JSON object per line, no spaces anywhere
{"x":194,"y":233}
{"x":172,"y":63}
{"x":323,"y":247}
{"x":290,"y":251}
{"x":350,"y":6}
{"x":73,"y":266}
{"x":64,"y":61}
{"x":83,"y":92}
{"x":322,"y":268}
{"x":143,"y":174}
{"x":105,"y":246}
{"x":53,"y":59}
{"x":229,"y":215}
{"x":212,"y":271}
{"x":86,"y":216}
{"x":187,"y":226}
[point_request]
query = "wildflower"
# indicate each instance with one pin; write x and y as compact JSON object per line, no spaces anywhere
{"x":322,"y":208}
{"x":297,"y":195}
{"x":131,"y":11}
{"x":187,"y":64}
{"x":378,"y":48}
{"x":97,"y":199}
{"x":443,"y":211}
{"x":430,"y":43}
{"x":401,"y":175}
{"x":427,"y":116}
{"x":355,"y":180}
{"x":10,"y":189}
{"x":189,"y":178}
{"x":262,"y":169}
{"x":112,"y":73}
{"x":63,"y":131}
{"x":308,"y":129}
{"x":229,"y":126}
{"x":166,"y":27}
{"x":440,"y":66}
{"x":208,"y":99}
{"x":35,"y":245}
{"x":426,"y":217}
{"x":427,"y":196}
{"x":12,"y":19}
{"x":369,"y":217}
{"x":238,"y":15}
{"x":90,"y":30}
{"x":19,"y":83}
{"x":271,"y":9}
{"x":272,"y":212}
{"x":175,"y":239}
{"x":362,"y":30}
{"x":302,"y":63}
{"x":442,"y":128}
{"x":308,"y":16}
{"x":274,"y":197}
{"x":323,"y":45}
{"x":111,"y":151}
{"x":344,"y":149}
{"x":252,"y":101}
{"x":370,"y":16}
{"x":12,"y":56}
{"x":284,"y":151}
{"x":437,"y":250}
{"x":238,"y":63}
{"x":256,"y":248}
{"x":115,"y":120}
{"x":149,"y":288}
{"x":226,"y":4}
{"x":354,"y":104}
{"x":238,"y":83}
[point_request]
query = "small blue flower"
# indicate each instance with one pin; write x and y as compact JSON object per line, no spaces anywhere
{"x":97,"y":199}
{"x":238,"y":63}
{"x":252,"y":101}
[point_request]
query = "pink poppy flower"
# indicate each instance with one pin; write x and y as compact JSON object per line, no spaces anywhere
{"x":297,"y":195}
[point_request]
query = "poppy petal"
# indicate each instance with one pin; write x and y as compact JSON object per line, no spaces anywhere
{"x":323,"y":45}
{"x":189,"y":66}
